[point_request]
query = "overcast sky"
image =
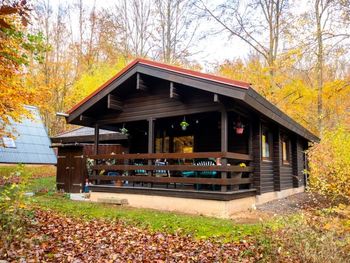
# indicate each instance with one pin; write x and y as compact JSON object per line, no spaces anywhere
{"x":213,"y":49}
{"x":207,"y":52}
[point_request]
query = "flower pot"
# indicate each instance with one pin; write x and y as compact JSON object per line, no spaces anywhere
{"x":119,"y":183}
{"x":239,"y":130}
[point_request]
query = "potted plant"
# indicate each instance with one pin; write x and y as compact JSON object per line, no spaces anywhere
{"x":239,"y":127}
{"x":124,"y":130}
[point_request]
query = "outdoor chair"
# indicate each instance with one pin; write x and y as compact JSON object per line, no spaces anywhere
{"x":161,"y":173}
{"x":205,"y":174}
{"x":139,"y":172}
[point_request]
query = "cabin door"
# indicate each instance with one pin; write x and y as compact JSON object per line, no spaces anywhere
{"x":70,"y":169}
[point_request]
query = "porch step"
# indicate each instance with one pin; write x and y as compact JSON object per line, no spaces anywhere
{"x":79,"y":197}
{"x":113,"y":200}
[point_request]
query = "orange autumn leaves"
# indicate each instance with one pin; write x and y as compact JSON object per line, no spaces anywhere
{"x":16,"y":49}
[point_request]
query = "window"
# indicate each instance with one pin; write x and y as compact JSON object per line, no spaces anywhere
{"x":162,"y":145}
{"x":8,"y":142}
{"x":183,"y":144}
{"x":266,"y":144}
{"x":285,"y":150}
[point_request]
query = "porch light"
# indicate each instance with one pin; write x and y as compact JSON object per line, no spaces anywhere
{"x":238,"y":126}
{"x":184,"y":124}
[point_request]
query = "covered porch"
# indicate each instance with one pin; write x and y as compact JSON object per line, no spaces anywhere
{"x":210,"y":158}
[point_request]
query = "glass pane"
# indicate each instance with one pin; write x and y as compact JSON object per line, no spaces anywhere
{"x":284,"y":151}
{"x":183,"y":144}
{"x":265,"y":145}
{"x":263,"y":141}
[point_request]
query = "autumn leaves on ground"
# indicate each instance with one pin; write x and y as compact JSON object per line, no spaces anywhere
{"x":49,"y":227}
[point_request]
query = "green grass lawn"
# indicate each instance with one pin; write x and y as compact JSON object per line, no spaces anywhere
{"x":198,"y":226}
{"x":35,"y":170}
{"x":44,"y":183}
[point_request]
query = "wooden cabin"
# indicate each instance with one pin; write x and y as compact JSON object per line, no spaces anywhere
{"x":197,"y":143}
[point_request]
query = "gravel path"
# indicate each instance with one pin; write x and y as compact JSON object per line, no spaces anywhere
{"x":290,"y":204}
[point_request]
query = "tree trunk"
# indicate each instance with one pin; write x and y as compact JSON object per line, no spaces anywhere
{"x":319,"y":65}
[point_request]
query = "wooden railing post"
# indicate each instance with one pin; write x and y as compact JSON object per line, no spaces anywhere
{"x":96,"y":144}
{"x":224,"y":137}
{"x":150,"y":140}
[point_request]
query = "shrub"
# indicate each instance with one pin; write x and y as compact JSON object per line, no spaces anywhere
{"x":305,"y":238}
{"x":12,"y":206}
{"x":329,"y":163}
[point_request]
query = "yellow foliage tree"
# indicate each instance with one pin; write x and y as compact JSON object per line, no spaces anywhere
{"x":294,"y":92}
{"x":91,"y":80}
{"x":16,"y":49}
{"x":329,"y":163}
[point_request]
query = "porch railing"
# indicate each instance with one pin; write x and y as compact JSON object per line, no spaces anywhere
{"x":233,"y":174}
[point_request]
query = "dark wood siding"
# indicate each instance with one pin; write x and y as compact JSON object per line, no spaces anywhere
{"x":298,"y":161}
{"x":104,"y":149}
{"x":267,"y":184}
{"x":157,"y":103}
{"x":286,"y":177}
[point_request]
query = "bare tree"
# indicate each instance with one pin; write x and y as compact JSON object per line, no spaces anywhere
{"x":323,"y":37}
{"x":258,"y":23}
{"x":134,"y":19}
{"x":176,"y":29}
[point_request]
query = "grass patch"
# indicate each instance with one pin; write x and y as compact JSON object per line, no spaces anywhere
{"x":35,"y":170}
{"x":42,"y":184}
{"x":198,"y":226}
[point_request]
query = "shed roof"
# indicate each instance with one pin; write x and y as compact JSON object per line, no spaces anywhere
{"x":223,"y":86}
{"x":86,"y":134}
{"x":31,"y":143}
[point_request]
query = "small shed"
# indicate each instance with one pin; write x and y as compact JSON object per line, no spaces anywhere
{"x":29,"y":143}
{"x":72,"y":148}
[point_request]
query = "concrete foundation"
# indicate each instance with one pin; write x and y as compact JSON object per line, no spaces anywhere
{"x":221,"y":209}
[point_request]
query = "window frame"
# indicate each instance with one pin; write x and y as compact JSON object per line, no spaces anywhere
{"x":265,"y":131}
{"x":285,"y":140}
{"x":8,"y":142}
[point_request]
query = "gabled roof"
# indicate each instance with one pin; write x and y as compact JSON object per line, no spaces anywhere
{"x":183,"y":71}
{"x":31,"y":144}
{"x":223,"y":86}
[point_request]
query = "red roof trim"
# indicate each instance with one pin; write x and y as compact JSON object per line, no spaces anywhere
{"x":218,"y":79}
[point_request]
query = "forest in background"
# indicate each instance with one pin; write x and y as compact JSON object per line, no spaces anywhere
{"x":53,"y":55}
{"x":298,"y":59}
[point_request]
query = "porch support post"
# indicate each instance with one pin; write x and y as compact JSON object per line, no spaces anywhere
{"x":256,"y":147}
{"x":150,"y":140}
{"x":97,"y":137}
{"x":277,"y":153}
{"x":224,"y":137}
{"x":96,"y":142}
